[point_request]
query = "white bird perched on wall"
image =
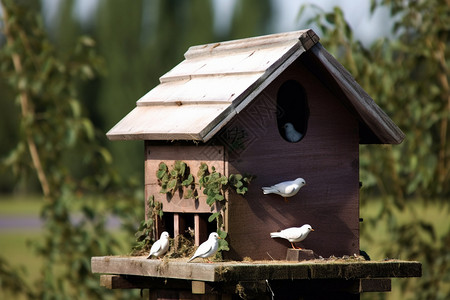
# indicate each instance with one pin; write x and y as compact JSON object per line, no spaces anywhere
{"x":291,"y":134}
{"x":286,"y":188}
{"x":161,"y":246}
{"x":207,"y":248}
{"x":293,"y":234}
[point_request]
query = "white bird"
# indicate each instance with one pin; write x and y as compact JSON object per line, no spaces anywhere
{"x":207,"y":248}
{"x":161,"y":246}
{"x":291,"y":134}
{"x":293,"y":234}
{"x":285,"y":188}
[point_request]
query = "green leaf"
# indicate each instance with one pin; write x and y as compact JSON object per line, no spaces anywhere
{"x":172,"y":184}
{"x":210,"y":200}
{"x":213,"y":216}
{"x":188,"y":181}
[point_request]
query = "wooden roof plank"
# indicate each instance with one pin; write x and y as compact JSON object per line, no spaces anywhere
{"x":167,"y":122}
{"x":250,"y":61}
{"x":258,"y":42}
{"x":200,"y":91}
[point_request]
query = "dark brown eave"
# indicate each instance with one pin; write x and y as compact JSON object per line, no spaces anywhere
{"x":375,"y":126}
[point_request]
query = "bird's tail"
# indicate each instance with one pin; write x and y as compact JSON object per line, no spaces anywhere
{"x":267,"y":190}
{"x":192,"y":258}
{"x":275,"y":235}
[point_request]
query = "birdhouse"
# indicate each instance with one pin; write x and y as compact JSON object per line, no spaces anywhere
{"x":277,"y":107}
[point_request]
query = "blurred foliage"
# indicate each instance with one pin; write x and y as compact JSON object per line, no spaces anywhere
{"x":67,"y":96}
{"x":408,"y":77}
{"x":56,"y":141}
{"x":69,"y":89}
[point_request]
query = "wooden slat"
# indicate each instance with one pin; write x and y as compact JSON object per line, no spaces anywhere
{"x":141,"y":282}
{"x":259,"y":287}
{"x":201,"y":91}
{"x":258,"y":270}
{"x":238,"y":63}
{"x":201,"y":232}
{"x":193,"y":156}
{"x":249,"y":43}
{"x":168,"y":122}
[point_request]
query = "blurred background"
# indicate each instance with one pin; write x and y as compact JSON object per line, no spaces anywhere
{"x":71,"y":69}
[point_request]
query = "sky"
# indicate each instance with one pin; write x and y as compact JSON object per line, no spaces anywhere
{"x":366,"y":27}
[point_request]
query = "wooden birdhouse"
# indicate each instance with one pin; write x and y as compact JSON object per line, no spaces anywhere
{"x":226,"y":105}
{"x":276,"y":107}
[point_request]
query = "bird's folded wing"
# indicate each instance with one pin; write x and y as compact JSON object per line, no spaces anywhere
{"x":289,"y":189}
{"x":203,"y":249}
{"x":292,"y":233}
{"x":156,"y":247}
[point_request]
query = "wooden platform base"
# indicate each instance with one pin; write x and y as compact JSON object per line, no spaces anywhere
{"x":311,"y":279}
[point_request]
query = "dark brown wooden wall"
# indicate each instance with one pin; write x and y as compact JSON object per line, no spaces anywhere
{"x":327,"y":158}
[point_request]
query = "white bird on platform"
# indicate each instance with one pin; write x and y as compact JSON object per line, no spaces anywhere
{"x":286,"y":188}
{"x":291,"y":134}
{"x":207,"y":248}
{"x":293,"y":234}
{"x":161,"y":246}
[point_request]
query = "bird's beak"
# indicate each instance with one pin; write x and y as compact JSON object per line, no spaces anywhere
{"x":219,"y":237}
{"x":312,"y":229}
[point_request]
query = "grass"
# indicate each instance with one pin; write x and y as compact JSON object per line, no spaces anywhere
{"x":15,"y":244}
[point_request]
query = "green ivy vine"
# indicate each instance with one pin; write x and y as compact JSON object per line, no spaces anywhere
{"x":213,"y":184}
{"x":146,"y":233}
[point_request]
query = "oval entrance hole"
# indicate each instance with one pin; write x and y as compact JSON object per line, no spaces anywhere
{"x":292,"y":111}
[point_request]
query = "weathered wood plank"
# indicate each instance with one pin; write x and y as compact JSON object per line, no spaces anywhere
{"x":201,"y":90}
{"x":141,"y":282}
{"x":193,"y":156}
{"x":258,"y":42}
{"x":168,"y":122}
{"x":254,"y":271}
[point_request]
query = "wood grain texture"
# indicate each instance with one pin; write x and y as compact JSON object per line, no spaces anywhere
{"x":212,"y":80}
{"x":193,"y":156}
{"x":377,"y":127}
{"x":253,"y":271}
{"x":327,"y":158}
{"x":216,"y":81}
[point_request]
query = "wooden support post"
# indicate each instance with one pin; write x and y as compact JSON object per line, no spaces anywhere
{"x":201,"y":232}
{"x":179,"y":225}
{"x":299,"y":254}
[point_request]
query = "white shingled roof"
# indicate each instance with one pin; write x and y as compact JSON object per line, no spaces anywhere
{"x":216,"y":81}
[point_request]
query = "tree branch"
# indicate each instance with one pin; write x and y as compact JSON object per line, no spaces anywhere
{"x":26,"y":110}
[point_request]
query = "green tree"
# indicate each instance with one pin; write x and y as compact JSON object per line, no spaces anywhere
{"x":408,"y":77}
{"x":54,"y":133}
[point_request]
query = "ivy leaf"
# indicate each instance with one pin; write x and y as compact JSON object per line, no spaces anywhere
{"x":188,"y":180}
{"x":213,"y":216}
{"x":172,"y":184}
{"x":222,"y":234}
{"x":223,"y":245}
{"x":210,"y":200}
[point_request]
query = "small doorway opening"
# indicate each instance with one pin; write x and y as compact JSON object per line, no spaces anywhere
{"x":292,"y":111}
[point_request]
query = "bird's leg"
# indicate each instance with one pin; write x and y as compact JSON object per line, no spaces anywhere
{"x":297,"y":248}
{"x":286,"y":200}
